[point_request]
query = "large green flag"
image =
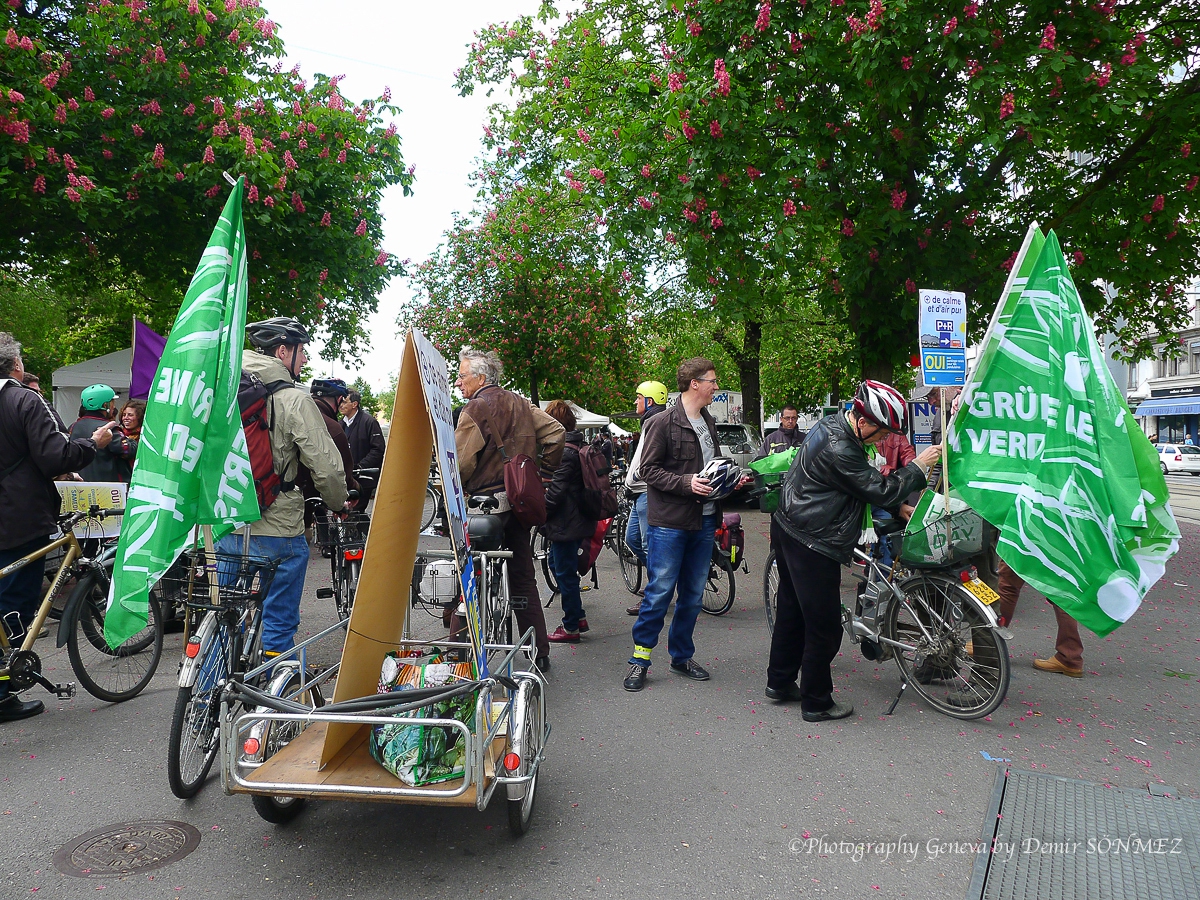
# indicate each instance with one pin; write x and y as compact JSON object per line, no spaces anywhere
{"x":1045,"y":448}
{"x":192,"y":466}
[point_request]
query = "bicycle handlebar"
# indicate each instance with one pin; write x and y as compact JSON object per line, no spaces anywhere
{"x":93,"y":512}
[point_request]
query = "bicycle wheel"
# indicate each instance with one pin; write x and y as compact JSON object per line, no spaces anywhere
{"x":499,"y":611}
{"x":432,"y":500}
{"x":951,"y":655}
{"x":274,"y":809}
{"x":349,"y":585}
{"x":541,"y":552}
{"x":528,"y":735}
{"x":195,"y":737}
{"x":718,"y":588}
{"x":631,"y":566}
{"x":112,"y":674}
{"x":771,"y":588}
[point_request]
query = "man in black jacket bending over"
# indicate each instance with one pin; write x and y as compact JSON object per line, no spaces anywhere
{"x":822,"y":503}
{"x":34,"y":449}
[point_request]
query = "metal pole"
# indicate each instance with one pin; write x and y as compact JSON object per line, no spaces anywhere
{"x":945,"y":464}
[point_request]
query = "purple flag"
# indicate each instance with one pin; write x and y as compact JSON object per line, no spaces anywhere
{"x":148,"y":348}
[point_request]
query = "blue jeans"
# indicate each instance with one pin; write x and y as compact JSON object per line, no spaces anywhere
{"x":19,"y":592}
{"x":639,"y":523}
{"x":679,"y":562}
{"x":281,"y":608}
{"x":883,"y":549}
{"x":564,"y":560}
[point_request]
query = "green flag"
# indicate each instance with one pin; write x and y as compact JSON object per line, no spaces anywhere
{"x":192,"y":466}
{"x":1045,"y":448}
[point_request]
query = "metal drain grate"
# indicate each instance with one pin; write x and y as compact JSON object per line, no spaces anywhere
{"x":1065,"y":839}
{"x":115,"y":851}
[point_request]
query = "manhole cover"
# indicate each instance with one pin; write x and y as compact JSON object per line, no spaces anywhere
{"x":115,"y":851}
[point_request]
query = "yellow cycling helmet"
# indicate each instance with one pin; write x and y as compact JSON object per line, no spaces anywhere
{"x":654,"y":390}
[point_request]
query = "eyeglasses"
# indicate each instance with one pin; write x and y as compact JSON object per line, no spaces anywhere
{"x":713,"y":381}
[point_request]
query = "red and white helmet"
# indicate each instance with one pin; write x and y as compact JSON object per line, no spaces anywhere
{"x":882,"y":404}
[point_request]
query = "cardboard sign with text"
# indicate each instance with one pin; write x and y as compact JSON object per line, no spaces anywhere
{"x":421,"y":420}
{"x":80,"y":496}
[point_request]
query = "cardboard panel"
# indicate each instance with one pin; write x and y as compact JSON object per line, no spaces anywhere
{"x":381,"y":603}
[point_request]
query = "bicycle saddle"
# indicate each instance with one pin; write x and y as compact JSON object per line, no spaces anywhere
{"x":485,"y":532}
{"x":884,"y":527}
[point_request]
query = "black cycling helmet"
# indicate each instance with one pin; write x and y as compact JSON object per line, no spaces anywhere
{"x":279,"y":331}
{"x":328,"y":387}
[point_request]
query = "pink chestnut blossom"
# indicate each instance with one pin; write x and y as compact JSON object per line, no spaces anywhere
{"x":847,"y":227}
{"x":52,"y":156}
{"x":789,"y":207}
{"x":971,"y":10}
{"x":15,"y":97}
{"x":675,"y":81}
{"x":69,"y":162}
{"x":50,"y":81}
{"x":252,"y":194}
{"x":721,"y":77}
{"x":1191,"y":185}
{"x":361,"y":229}
{"x":1079,"y":257}
{"x":763,"y":22}
{"x":1157,"y":205}
{"x":193,"y":8}
{"x":713,"y":216}
{"x":297,"y":202}
{"x":326,"y":220}
{"x":88,"y":94}
{"x":73,"y":195}
{"x":26,"y":43}
{"x":645,"y":203}
{"x":281,"y":184}
{"x":60,"y":114}
{"x":714,"y":129}
{"x":1048,"y":36}
{"x":1186,"y":150}
{"x":583,"y":135}
{"x":753,"y":173}
{"x":323,"y":276}
{"x":72,"y":104}
{"x":950,"y":26}
{"x":381,"y":259}
{"x":1007,"y":106}
{"x":906,"y":62}
{"x":898,"y":198}
{"x":269,"y":201}
{"x":646,"y":171}
{"x":12,"y":40}
{"x":598,"y":174}
{"x":293,"y":274}
{"x":341,"y":157}
{"x":39,"y":184}
{"x":910,"y":286}
{"x":289,"y":161}
{"x":159,"y":55}
{"x":210,"y":156}
{"x":302,"y":144}
{"x":159,"y":156}
{"x":106,"y":153}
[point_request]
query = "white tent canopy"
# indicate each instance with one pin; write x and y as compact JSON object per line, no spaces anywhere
{"x":617,"y":431}
{"x":583,"y":418}
{"x":69,"y":381}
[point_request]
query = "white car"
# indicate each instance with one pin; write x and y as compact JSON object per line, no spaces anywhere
{"x":1179,"y":458}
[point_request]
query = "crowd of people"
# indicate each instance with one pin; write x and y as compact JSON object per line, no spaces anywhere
{"x":313,"y":452}
{"x":849,"y":462}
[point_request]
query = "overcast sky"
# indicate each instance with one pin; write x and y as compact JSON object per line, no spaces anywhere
{"x":414,"y":47}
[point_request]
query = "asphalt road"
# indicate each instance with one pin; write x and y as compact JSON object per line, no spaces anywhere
{"x":685,"y":790}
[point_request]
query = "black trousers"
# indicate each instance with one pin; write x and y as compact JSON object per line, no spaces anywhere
{"x":522,"y":582}
{"x":808,"y":621}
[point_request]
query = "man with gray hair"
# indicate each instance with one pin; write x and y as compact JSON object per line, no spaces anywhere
{"x":495,"y":418}
{"x":34,"y":449}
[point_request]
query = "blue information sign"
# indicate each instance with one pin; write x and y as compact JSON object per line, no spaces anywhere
{"x":943,"y":338}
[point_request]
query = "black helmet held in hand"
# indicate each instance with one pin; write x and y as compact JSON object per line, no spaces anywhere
{"x":279,"y":331}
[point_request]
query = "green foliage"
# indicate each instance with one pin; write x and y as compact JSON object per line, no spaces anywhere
{"x":530,"y":278}
{"x":369,"y":401}
{"x":116,"y":123}
{"x":864,"y":150}
{"x":386,"y":399}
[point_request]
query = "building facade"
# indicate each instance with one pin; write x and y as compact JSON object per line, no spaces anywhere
{"x":1166,"y":390}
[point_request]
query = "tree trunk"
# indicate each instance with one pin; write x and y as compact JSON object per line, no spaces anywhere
{"x":533,"y":386}
{"x":748,"y":362}
{"x":835,"y":391}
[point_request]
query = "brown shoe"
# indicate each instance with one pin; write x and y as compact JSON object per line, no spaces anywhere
{"x":1053,"y":664}
{"x":634,"y":610}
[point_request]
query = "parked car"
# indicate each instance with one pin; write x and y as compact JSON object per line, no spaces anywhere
{"x":739,"y":443}
{"x":1181,"y":458}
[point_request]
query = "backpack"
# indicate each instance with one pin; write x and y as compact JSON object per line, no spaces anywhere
{"x":253,"y":397}
{"x":589,"y":550}
{"x":598,"y":499}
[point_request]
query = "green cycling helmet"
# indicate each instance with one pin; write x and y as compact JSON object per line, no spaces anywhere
{"x":96,"y":396}
{"x":654,"y":390}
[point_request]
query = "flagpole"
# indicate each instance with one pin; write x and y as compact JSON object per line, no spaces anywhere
{"x":945,"y":464}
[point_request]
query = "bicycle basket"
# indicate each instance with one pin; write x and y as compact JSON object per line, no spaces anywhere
{"x":240,"y":580}
{"x":934,"y":540}
{"x":352,"y":529}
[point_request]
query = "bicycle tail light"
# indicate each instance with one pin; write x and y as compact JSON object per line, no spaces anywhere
{"x":354,"y":554}
{"x":512,"y":762}
{"x":192,"y":650}
{"x":250,"y":748}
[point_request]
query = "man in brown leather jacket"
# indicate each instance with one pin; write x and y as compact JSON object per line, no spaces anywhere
{"x":495,"y":416}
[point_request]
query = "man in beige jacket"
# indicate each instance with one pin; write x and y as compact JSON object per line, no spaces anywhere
{"x":298,"y":438}
{"x":493,"y":416}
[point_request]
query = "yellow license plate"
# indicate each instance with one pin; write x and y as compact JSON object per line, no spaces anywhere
{"x":982,"y":591}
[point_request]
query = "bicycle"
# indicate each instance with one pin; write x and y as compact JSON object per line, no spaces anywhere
{"x":935,"y":619}
{"x":229,"y":589}
{"x":630,"y":562}
{"x":111,"y":674}
{"x":720,"y":588}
